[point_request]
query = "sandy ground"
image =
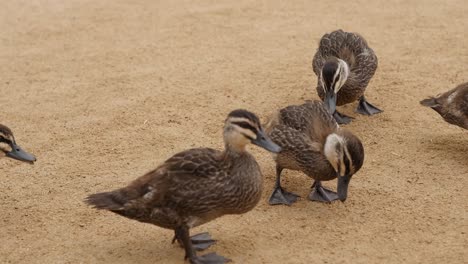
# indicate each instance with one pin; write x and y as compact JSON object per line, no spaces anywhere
{"x":104,"y":91}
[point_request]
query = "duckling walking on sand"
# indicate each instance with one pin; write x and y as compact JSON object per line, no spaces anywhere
{"x":12,"y":150}
{"x":196,"y":186}
{"x":312,"y":142}
{"x":451,"y":105}
{"x":344,"y":65}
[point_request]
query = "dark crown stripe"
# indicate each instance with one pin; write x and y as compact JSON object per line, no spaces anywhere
{"x":245,"y":114}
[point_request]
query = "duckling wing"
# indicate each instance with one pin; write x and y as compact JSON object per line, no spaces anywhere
{"x":311,"y":118}
{"x":298,"y":150}
{"x":181,"y":183}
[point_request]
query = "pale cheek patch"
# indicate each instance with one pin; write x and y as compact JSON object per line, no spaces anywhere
{"x":247,"y":132}
{"x":330,"y":150}
{"x":149,"y":195}
{"x":451,"y":97}
{"x":322,"y":82}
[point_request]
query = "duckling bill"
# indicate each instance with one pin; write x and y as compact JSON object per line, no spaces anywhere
{"x":312,"y":142}
{"x":14,"y":151}
{"x":196,"y":186}
{"x":452,"y":105}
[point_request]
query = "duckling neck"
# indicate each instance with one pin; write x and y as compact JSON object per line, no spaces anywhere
{"x":234,"y":150}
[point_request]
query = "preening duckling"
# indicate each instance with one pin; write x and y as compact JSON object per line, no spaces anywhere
{"x":451,"y":105}
{"x":312,"y":142}
{"x":196,"y":186}
{"x":344,"y":65}
{"x":12,"y":150}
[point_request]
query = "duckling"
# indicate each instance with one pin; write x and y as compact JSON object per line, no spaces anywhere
{"x":312,"y":142}
{"x":13,"y":150}
{"x":451,"y":105}
{"x":344,"y":64}
{"x":196,"y":186}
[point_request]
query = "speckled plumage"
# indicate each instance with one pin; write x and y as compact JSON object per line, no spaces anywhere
{"x":312,"y":142}
{"x":196,"y":186}
{"x":354,"y":50}
{"x":192,"y":187}
{"x":301,"y":131}
{"x":451,"y":105}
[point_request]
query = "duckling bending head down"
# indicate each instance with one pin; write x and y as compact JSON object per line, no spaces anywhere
{"x":312,"y":142}
{"x":451,"y":105}
{"x":12,"y":150}
{"x":196,"y":186}
{"x":344,"y":64}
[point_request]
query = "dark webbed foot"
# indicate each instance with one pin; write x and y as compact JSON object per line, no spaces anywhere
{"x":366,"y":108}
{"x":342,"y":119}
{"x":280,"y":196}
{"x":321,"y":194}
{"x":210,"y":258}
{"x":182,"y":235}
{"x":200,"y":241}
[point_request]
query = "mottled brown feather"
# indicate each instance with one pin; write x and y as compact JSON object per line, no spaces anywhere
{"x":354,"y":50}
{"x":190,"y":188}
{"x":451,"y":105}
{"x":301,"y":131}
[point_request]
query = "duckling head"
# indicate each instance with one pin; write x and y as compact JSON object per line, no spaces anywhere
{"x":10,"y":148}
{"x":345,"y":153}
{"x":333,"y":76}
{"x":243,"y":127}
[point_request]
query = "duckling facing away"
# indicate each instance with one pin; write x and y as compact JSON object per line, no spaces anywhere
{"x":312,"y":142}
{"x":344,"y":65}
{"x":196,"y":186}
{"x":451,"y":105}
{"x":13,"y":150}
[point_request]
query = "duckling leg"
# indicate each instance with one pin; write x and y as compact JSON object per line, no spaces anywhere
{"x":321,"y":194}
{"x":342,"y":119}
{"x":200,"y":241}
{"x":366,"y":108}
{"x":182,"y":232}
{"x":279,"y":195}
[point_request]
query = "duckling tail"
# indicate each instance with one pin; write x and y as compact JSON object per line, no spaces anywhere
{"x":113,"y":201}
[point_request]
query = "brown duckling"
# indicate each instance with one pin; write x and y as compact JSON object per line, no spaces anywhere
{"x":196,"y":186}
{"x":344,"y":65}
{"x":312,"y":142}
{"x":12,"y":150}
{"x":451,"y":105}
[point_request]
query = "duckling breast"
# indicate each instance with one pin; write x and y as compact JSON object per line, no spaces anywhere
{"x":244,"y":189}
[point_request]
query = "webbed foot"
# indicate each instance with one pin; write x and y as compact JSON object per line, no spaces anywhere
{"x":321,"y":194}
{"x":342,"y":119}
{"x":200,"y":241}
{"x":210,"y":258}
{"x":366,"y":108}
{"x":280,"y":196}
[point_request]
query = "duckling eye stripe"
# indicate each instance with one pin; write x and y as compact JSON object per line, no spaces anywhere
{"x":346,"y":162}
{"x":246,"y":126}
